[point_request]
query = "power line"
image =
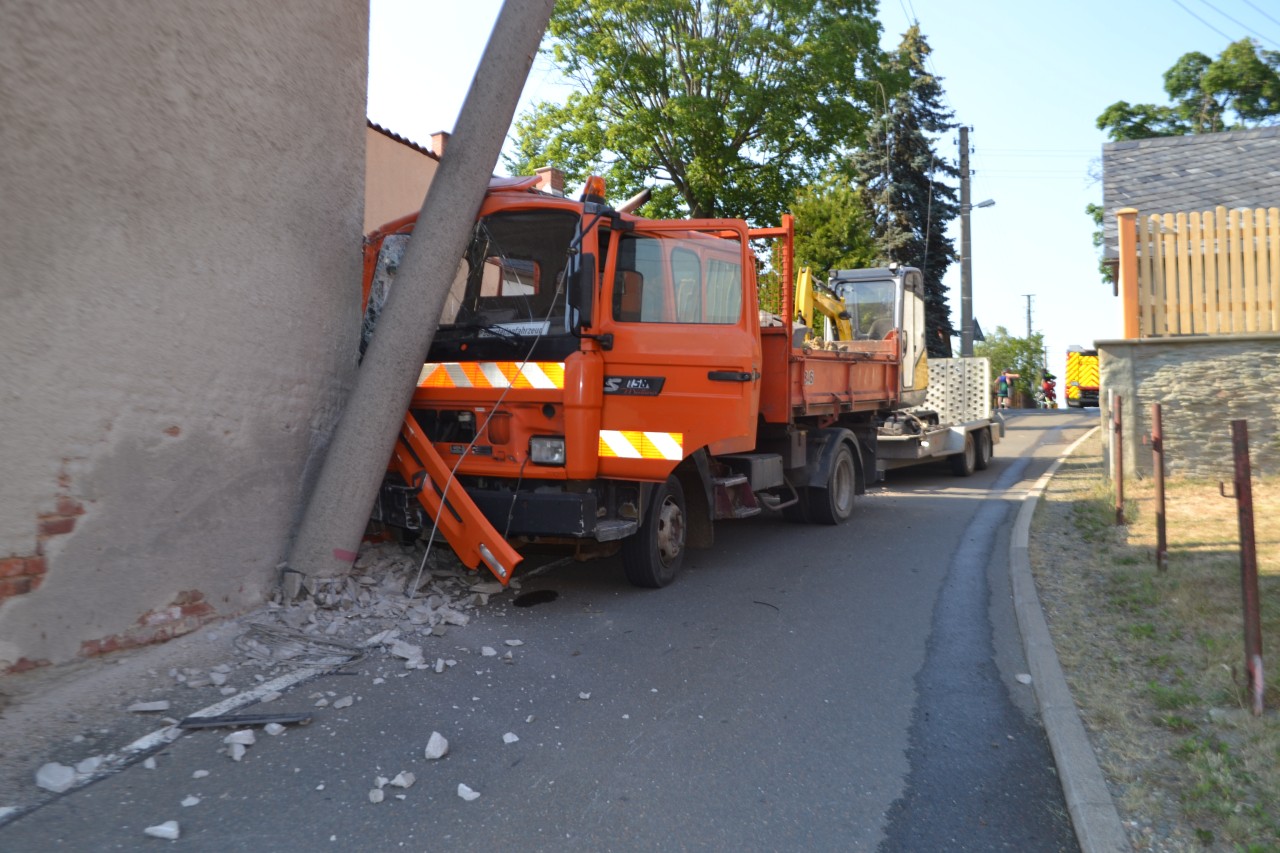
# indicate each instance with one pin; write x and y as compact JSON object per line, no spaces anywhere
{"x":1246,"y":27}
{"x":1201,"y":20}
{"x":1260,"y":12}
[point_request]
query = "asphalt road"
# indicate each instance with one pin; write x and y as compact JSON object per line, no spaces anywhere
{"x":798,"y":688}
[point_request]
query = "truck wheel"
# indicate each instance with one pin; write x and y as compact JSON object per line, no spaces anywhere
{"x":652,"y":556}
{"x":982,"y":450}
{"x":834,"y":504}
{"x":963,"y":463}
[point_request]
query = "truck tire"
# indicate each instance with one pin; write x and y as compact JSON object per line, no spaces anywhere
{"x":834,"y":504}
{"x":798,"y":512}
{"x":964,"y":462}
{"x":653,"y":555}
{"x":982,"y":450}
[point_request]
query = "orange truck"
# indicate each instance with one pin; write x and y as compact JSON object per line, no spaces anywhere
{"x":598,"y":377}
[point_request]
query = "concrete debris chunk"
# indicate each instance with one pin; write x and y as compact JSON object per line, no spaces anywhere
{"x":218,"y":678}
{"x":199,"y":774}
{"x":383,"y":637}
{"x":437,"y":746}
{"x":322,"y":703}
{"x":452,"y":617}
{"x":273,"y":729}
{"x":344,"y":702}
{"x":168,"y":830}
{"x":236,"y":751}
{"x":510,"y":737}
{"x":149,"y":763}
{"x":145,"y":707}
{"x":1023,"y":678}
{"x":584,"y":695}
{"x":189,"y":801}
{"x":439,"y":665}
{"x":375,"y":795}
{"x":409,"y":652}
{"x":227,"y":691}
{"x":466,"y":793}
{"x":89,"y":765}
{"x":270,"y":696}
{"x":55,"y":777}
{"x":380,"y":781}
{"x":223,"y":668}
{"x":404,"y":779}
{"x":241,"y":736}
{"x":514,"y":642}
{"x":488,"y":651}
{"x":487,"y":587}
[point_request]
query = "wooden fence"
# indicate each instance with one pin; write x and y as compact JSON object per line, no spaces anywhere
{"x":1210,"y":273}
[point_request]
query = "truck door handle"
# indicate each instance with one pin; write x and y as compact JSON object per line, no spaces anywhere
{"x":729,"y":376}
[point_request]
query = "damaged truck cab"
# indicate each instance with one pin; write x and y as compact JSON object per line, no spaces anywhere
{"x":600,"y":377}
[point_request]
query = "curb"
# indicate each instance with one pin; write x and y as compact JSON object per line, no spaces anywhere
{"x":1093,"y":813}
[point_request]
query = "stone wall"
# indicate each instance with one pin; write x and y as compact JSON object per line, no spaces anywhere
{"x":181,"y":189}
{"x":1202,"y":384}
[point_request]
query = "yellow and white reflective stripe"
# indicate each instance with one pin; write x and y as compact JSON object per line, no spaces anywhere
{"x":541,"y":375}
{"x":634,"y":444}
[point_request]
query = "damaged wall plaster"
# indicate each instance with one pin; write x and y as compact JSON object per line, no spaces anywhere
{"x":180,"y":304}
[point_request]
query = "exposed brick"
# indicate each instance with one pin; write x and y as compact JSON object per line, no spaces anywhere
{"x":9,"y":587}
{"x":25,"y":665}
{"x":69,"y":506}
{"x":56,"y":525}
{"x":173,"y":431}
{"x":12,"y":567}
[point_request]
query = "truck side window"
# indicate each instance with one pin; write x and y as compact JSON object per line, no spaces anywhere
{"x":677,"y":277}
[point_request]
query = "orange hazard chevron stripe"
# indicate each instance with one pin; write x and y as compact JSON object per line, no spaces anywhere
{"x":540,"y":375}
{"x":634,"y":444}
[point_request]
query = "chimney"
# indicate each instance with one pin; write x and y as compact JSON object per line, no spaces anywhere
{"x":438,"y":141}
{"x":550,"y":180}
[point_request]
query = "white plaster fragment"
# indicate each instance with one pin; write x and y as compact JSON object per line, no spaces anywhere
{"x":404,"y":779}
{"x":189,"y":801}
{"x":466,"y":793}
{"x":488,"y":651}
{"x":380,"y":781}
{"x":437,"y":746}
{"x":168,"y":830}
{"x":322,"y":703}
{"x":55,"y":777}
{"x":227,"y":691}
{"x":514,"y":642}
{"x":270,"y":696}
{"x":200,"y":774}
{"x":149,"y":763}
{"x":344,"y":702}
{"x":273,"y":729}
{"x":236,"y":751}
{"x":144,"y":707}
{"x":241,"y":736}
{"x":379,"y":680}
{"x":584,"y":695}
{"x":89,"y":765}
{"x":530,"y":718}
{"x":510,"y":737}
{"x":375,"y":795}
{"x":1023,"y":678}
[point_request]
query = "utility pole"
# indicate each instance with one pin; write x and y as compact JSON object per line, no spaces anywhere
{"x":1028,"y":295}
{"x":966,"y":268}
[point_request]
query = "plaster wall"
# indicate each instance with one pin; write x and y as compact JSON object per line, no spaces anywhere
{"x":181,"y":192}
{"x":396,"y":179}
{"x":1202,"y":384}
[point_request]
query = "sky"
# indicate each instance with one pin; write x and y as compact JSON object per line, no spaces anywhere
{"x":1029,"y":78}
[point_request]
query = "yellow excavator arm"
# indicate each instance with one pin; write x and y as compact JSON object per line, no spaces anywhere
{"x":813,"y":301}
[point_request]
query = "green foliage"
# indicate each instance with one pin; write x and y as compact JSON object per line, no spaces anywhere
{"x":832,"y":228}
{"x":729,"y":106}
{"x":1105,"y":270}
{"x":904,"y":193}
{"x":1239,"y":89}
{"x":1024,"y":356}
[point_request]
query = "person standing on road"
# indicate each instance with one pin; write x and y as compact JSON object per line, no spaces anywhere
{"x":1003,"y":383}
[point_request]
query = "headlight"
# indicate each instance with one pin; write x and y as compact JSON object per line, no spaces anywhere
{"x":547,"y":449}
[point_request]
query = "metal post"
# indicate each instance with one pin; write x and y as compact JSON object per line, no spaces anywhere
{"x":1157,"y":463}
{"x":338,"y":510}
{"x":1117,"y":451}
{"x":1248,"y":563}
{"x":966,"y":264}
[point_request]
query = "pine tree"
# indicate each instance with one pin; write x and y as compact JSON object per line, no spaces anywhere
{"x":907,"y":202}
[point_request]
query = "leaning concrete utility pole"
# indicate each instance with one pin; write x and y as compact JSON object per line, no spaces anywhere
{"x":339,"y":507}
{"x":966,"y":263}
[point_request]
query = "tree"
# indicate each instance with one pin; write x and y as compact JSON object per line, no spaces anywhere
{"x":729,"y":105}
{"x":1239,"y":89}
{"x":832,"y":227}
{"x":904,"y":195}
{"x":1024,"y":356}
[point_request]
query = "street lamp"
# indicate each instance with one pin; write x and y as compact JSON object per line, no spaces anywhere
{"x":966,"y":270}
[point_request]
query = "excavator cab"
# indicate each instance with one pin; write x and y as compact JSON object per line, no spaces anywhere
{"x":888,"y":304}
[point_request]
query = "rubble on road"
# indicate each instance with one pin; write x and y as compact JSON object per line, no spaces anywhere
{"x":167,"y":830}
{"x":437,"y":746}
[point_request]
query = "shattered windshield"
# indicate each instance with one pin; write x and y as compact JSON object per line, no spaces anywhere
{"x":510,"y":283}
{"x":513,"y":273}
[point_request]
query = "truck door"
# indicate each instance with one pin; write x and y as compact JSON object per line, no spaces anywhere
{"x":684,"y":368}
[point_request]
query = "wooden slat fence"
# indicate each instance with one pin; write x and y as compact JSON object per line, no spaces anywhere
{"x":1210,"y":273}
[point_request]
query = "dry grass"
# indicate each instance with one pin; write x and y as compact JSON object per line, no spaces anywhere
{"x":1155,"y":660}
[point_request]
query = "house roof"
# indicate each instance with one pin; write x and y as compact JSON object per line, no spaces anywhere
{"x":1169,"y":174}
{"x":402,"y":140}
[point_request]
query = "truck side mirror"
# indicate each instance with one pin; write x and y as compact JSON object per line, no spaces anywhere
{"x":582,"y":294}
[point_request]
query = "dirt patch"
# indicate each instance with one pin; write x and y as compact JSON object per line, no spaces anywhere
{"x":1155,"y":660}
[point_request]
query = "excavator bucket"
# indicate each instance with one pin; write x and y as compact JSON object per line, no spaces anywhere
{"x":449,"y":507}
